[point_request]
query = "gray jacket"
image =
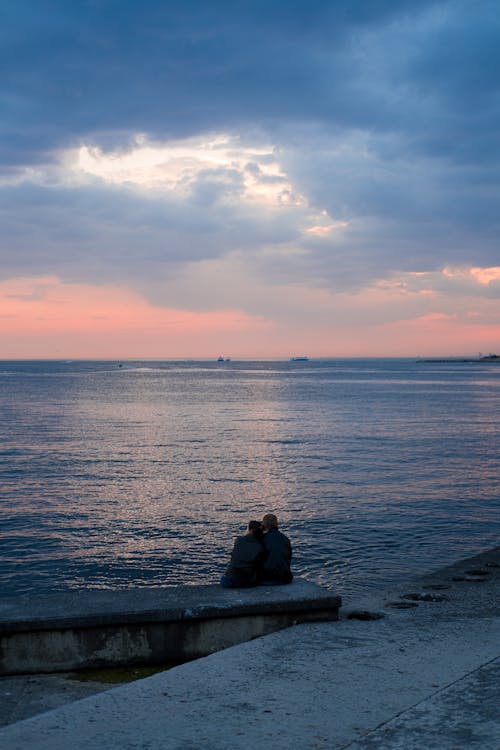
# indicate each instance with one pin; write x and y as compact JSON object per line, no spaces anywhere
{"x":246,"y":560}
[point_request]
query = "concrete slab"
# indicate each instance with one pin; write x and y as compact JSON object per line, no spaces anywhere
{"x":24,"y":696}
{"x":94,"y":608}
{"x":147,"y":626}
{"x":322,"y":685}
{"x":464,"y":715}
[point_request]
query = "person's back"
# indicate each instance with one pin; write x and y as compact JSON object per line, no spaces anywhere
{"x":245,"y":565}
{"x":278,"y":552}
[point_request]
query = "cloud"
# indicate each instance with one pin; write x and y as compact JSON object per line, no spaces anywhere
{"x":138,"y":214}
{"x":221,"y":154}
{"x":108,"y":70}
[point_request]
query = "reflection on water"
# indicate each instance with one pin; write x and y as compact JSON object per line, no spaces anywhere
{"x":141,"y":475}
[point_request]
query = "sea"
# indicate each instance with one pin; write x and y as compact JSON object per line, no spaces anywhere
{"x":116,"y":475}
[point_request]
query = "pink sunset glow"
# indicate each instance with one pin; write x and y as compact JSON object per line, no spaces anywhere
{"x":50,"y":319}
{"x":46,"y":318}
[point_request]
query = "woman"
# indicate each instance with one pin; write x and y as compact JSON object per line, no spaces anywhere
{"x":247,"y":557}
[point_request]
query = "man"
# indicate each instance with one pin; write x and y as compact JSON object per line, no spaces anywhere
{"x":278,"y":550}
{"x":245,"y":566}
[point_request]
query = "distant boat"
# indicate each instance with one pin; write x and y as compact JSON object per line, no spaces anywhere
{"x":220,"y":359}
{"x":302,"y":358}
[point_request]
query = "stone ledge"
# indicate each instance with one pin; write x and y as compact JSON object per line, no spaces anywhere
{"x":147,"y":626}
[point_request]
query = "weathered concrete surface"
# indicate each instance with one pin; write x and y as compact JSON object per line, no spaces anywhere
{"x":463,"y":715}
{"x":23,"y":696}
{"x":147,"y":626}
{"x":423,"y":677}
{"x":97,"y":607}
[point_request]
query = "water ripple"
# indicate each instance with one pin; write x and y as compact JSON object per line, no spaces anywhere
{"x":113,"y":479}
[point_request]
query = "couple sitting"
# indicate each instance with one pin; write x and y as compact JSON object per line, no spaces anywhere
{"x":261,"y":556}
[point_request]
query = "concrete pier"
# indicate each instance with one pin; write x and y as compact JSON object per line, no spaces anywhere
{"x":423,"y":673}
{"x":148,"y":626}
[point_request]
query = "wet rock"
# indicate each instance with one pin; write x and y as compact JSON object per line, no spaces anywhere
{"x":426,"y":597}
{"x":477,"y":572}
{"x":364,"y":614}
{"x":437,"y":586}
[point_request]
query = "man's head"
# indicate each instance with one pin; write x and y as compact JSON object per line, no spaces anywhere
{"x":269,"y":522}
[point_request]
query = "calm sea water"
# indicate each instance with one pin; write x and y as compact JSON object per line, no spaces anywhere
{"x":141,"y":474}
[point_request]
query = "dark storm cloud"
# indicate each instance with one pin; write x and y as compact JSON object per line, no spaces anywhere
{"x":104,"y":69}
{"x":384,"y":113}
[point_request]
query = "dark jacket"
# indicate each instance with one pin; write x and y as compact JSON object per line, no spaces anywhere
{"x":278,"y":557}
{"x":246,"y":560}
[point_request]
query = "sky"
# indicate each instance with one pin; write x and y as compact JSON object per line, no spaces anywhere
{"x":251,"y":179}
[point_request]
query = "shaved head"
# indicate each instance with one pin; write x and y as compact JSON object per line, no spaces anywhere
{"x":270,"y":521}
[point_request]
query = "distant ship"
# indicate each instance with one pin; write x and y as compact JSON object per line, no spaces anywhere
{"x":221,"y":359}
{"x":302,"y":358}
